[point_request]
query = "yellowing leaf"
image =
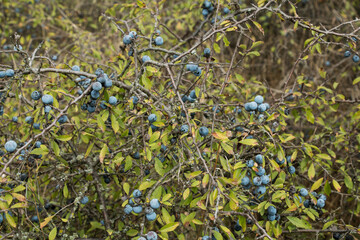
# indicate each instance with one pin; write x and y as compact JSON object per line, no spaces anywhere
{"x":220,"y":136}
{"x":250,"y":142}
{"x":52,"y":234}
{"x":258,"y":27}
{"x":356,"y":80}
{"x":103,"y":152}
{"x":46,"y":221}
{"x":19,"y":197}
{"x":10,"y":220}
{"x":316,"y":185}
{"x":186,"y":193}
{"x":336,"y":185}
{"x":169,"y":227}
{"x":311,"y":171}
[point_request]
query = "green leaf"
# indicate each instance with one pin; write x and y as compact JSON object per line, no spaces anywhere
{"x":65,"y":191}
{"x":146,"y":185}
{"x":155,"y":136}
{"x":55,"y":148}
{"x":309,"y":115}
{"x":323,"y":156}
{"x":114,"y":123}
{"x":126,"y":187}
{"x":300,"y":223}
{"x":10,"y":220}
{"x":216,"y":48}
{"x":311,"y":171}
{"x":101,"y":123}
{"x":328,"y":224}
{"x":159,"y":168}
{"x":255,"y":44}
{"x":19,"y":188}
{"x":40,"y":150}
{"x":169,"y":227}
{"x":132,"y":232}
{"x":227,"y":148}
{"x":64,"y":138}
{"x":327,"y":188}
{"x":52,"y":234}
{"x":348,"y":182}
{"x":217,"y":235}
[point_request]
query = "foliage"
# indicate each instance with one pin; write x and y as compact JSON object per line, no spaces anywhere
{"x":79,"y":159}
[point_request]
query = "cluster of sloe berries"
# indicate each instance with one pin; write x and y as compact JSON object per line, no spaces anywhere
{"x":257,"y":105}
{"x":320,"y":201}
{"x":151,"y":235}
{"x":355,"y":57}
{"x":102,"y":80}
{"x":135,"y":206}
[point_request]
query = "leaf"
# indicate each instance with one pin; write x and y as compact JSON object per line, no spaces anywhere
{"x":55,"y":148}
{"x":131,"y":232}
{"x":336,"y":185}
{"x":220,"y":136}
{"x":197,"y":222}
{"x":356,"y":80}
{"x":227,"y":148}
{"x":19,"y":188}
{"x":46,"y":221}
{"x":103,"y":152}
{"x":309,"y":115}
{"x":186,"y":193}
{"x":327,"y":188}
{"x":146,"y":185}
{"x":89,"y":149}
{"x":169,"y":227}
{"x":250,"y":142}
{"x":155,"y":136}
{"x":64,"y":138}
{"x":39,"y":151}
{"x":216,"y":48}
{"x":114,"y":123}
{"x":65,"y":191}
{"x":52,"y":234}
{"x":348,"y":182}
{"x":217,"y":235}
{"x":227,"y":231}
{"x":328,"y":224}
{"x":10,"y":220}
{"x":19,"y":197}
{"x":316,"y":185}
{"x":126,"y":187}
{"x":141,"y":4}
{"x":255,"y":44}
{"x":323,"y":156}
{"x":259,"y":27}
{"x":20,"y":205}
{"x":299,"y":222}
{"x":311,"y":171}
{"x":101,"y":123}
